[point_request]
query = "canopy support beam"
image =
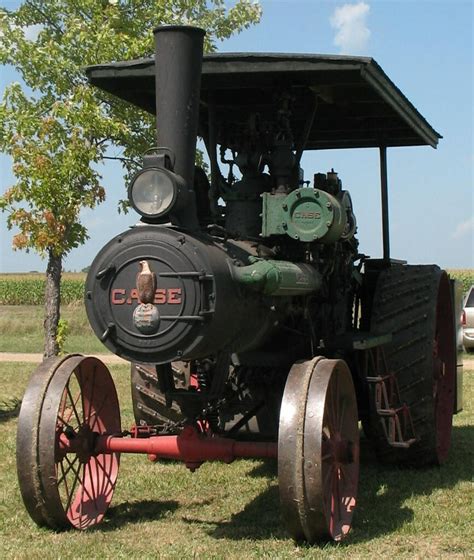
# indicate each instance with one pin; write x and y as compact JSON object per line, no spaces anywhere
{"x":384,"y":196}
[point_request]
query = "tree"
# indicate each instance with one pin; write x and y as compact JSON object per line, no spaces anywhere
{"x":57,"y":128}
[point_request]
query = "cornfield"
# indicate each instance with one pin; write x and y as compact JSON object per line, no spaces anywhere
{"x":28,"y":289}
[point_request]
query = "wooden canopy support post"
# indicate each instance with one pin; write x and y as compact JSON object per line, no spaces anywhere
{"x":384,"y":195}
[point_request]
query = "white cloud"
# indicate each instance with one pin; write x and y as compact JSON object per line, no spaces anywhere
{"x":463,"y":228}
{"x":350,"y":23}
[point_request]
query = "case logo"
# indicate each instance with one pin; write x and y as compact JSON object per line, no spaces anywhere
{"x":120,"y":296}
{"x":307,"y":215}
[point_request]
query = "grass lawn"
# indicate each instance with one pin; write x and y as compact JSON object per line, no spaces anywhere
{"x":21,"y":329}
{"x":162,"y":510}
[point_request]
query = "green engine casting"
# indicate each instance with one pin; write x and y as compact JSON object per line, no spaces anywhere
{"x":305,"y":214}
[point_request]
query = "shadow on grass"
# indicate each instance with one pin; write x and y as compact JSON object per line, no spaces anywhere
{"x":266,"y":468}
{"x":382,"y":493}
{"x":135,"y":512}
{"x":381,"y":507}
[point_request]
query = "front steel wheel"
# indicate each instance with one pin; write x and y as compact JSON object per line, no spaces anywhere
{"x":68,"y":403}
{"x":318,"y":450}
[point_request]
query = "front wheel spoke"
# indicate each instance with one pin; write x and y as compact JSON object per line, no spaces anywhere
{"x":347,"y":474}
{"x":73,"y":488}
{"x":326,"y":448}
{"x":98,"y":411}
{"x":100,"y":481}
{"x":94,"y":493}
{"x":72,"y":463}
{"x":65,"y":423}
{"x":107,"y":475}
{"x":62,"y":406}
{"x":327,"y":476}
{"x":73,"y":404}
{"x":67,"y":471}
{"x":335,"y":492}
{"x":82,"y":494}
{"x":91,"y":398}
{"x":84,"y":489}
{"x":63,"y":477}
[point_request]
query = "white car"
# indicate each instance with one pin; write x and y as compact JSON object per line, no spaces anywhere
{"x":467,"y":321}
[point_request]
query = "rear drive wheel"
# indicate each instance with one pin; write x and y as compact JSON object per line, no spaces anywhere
{"x":414,"y":304}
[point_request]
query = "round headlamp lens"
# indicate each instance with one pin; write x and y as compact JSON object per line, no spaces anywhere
{"x":153,"y":193}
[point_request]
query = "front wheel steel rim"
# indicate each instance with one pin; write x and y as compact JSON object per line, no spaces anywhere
{"x":318,"y":453}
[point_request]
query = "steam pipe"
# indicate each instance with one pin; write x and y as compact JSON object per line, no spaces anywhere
{"x":178,"y":63}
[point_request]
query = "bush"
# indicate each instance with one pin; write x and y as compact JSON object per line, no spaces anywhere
{"x":465,"y":276}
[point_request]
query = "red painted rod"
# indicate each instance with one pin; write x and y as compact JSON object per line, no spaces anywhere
{"x":190,"y":448}
{"x":172,"y":447}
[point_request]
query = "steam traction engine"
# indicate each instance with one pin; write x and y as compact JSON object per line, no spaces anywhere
{"x":254,"y":326}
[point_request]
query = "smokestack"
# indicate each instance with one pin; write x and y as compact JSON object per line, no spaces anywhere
{"x":178,"y":62}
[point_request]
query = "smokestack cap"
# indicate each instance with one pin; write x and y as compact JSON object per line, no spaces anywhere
{"x":185,"y":28}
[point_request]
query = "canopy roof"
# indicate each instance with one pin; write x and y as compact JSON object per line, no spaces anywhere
{"x":358,"y":105}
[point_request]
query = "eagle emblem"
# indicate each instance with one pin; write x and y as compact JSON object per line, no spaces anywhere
{"x":146,"y":283}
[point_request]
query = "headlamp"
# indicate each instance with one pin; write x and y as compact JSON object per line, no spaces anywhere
{"x":155,"y":192}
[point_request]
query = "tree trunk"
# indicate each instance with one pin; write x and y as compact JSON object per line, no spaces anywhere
{"x":52,"y":300}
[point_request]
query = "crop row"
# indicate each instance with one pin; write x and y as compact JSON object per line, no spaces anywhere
{"x":29,"y":289}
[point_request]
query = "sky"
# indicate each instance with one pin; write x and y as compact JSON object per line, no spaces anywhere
{"x":426,"y":48}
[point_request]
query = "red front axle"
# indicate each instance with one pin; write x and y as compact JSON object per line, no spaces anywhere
{"x":190,"y":447}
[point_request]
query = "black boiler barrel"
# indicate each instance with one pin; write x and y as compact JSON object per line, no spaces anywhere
{"x":201,"y":309}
